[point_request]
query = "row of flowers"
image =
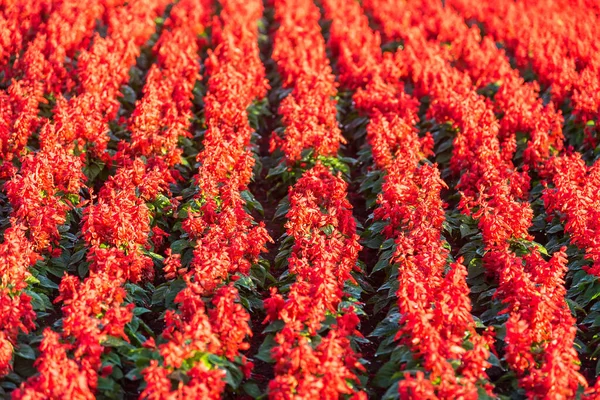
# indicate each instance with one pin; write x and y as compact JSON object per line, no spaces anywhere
{"x":433,"y":309}
{"x":560,"y":47}
{"x":116,"y":228}
{"x":313,"y":310}
{"x":560,"y":51}
{"x":42,"y":193}
{"x":496,"y":195}
{"x":101,"y":71}
{"x":574,"y":33}
{"x":517,"y":101}
{"x":19,"y":21}
{"x":45,"y":68}
{"x":570,"y":197}
{"x":205,"y":335}
{"x":48,"y":187}
{"x":308,"y":112}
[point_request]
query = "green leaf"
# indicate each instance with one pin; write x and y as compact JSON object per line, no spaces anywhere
{"x":380,"y":301}
{"x":392,"y":393}
{"x":282,"y":209}
{"x":480,"y":288}
{"x":46,"y":283}
{"x":260,"y":274}
{"x":179,"y":245}
{"x":384,"y":261}
{"x":111,"y":358}
{"x":555,"y":229}
{"x":154,"y":255}
{"x":383,"y":377}
{"x":376,"y":227}
{"x":402,"y":355}
{"x":276,"y":171}
{"x":444,"y":146}
{"x":25,"y":351}
{"x":134,"y":375}
{"x":274,"y":326}
{"x":541,"y":248}
{"x":109,"y":388}
{"x":482,"y":394}
{"x":591,"y":293}
{"x":39,"y":301}
{"x":138,"y":295}
{"x":252,"y":389}
{"x":466,"y":230}
{"x":32,"y":280}
{"x":264,"y":351}
{"x":112,"y":341}
{"x":234,"y":375}
{"x":251,"y":202}
{"x":494,"y":360}
{"x":387,"y":346}
{"x":389,"y":326}
{"x":328,"y":229}
{"x":140,"y":310}
{"x":77,"y":256}
{"x":388,"y":244}
{"x":8,"y":386}
{"x":475,"y":269}
{"x":374,"y":243}
{"x":54,"y":270}
{"x":173,"y":289}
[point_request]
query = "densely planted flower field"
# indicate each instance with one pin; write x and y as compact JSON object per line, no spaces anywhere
{"x":205,"y":199}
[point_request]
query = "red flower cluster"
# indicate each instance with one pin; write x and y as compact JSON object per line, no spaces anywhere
{"x":309,"y":112}
{"x":392,"y":112}
{"x":558,"y":43}
{"x":488,"y":179}
{"x":68,"y":381}
{"x":69,"y":29}
{"x":204,"y":383}
{"x":356,"y":47}
{"x":497,"y":76}
{"x":392,"y":115}
{"x":17,"y":253}
{"x":306,"y":371}
{"x":19,"y":20}
{"x":93,"y":308}
{"x":320,"y":222}
{"x":116,"y":231}
{"x":192,"y":333}
{"x":324,"y":253}
{"x":495,"y":194}
{"x":435,"y":308}
{"x":101,"y":70}
{"x":236,"y":80}
{"x":165,"y":111}
{"x":39,"y":194}
{"x":540,"y":330}
{"x":576,"y":199}
{"x":227,"y":240}
{"x":518,"y":102}
{"x":49,"y":181}
{"x":44,"y":68}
